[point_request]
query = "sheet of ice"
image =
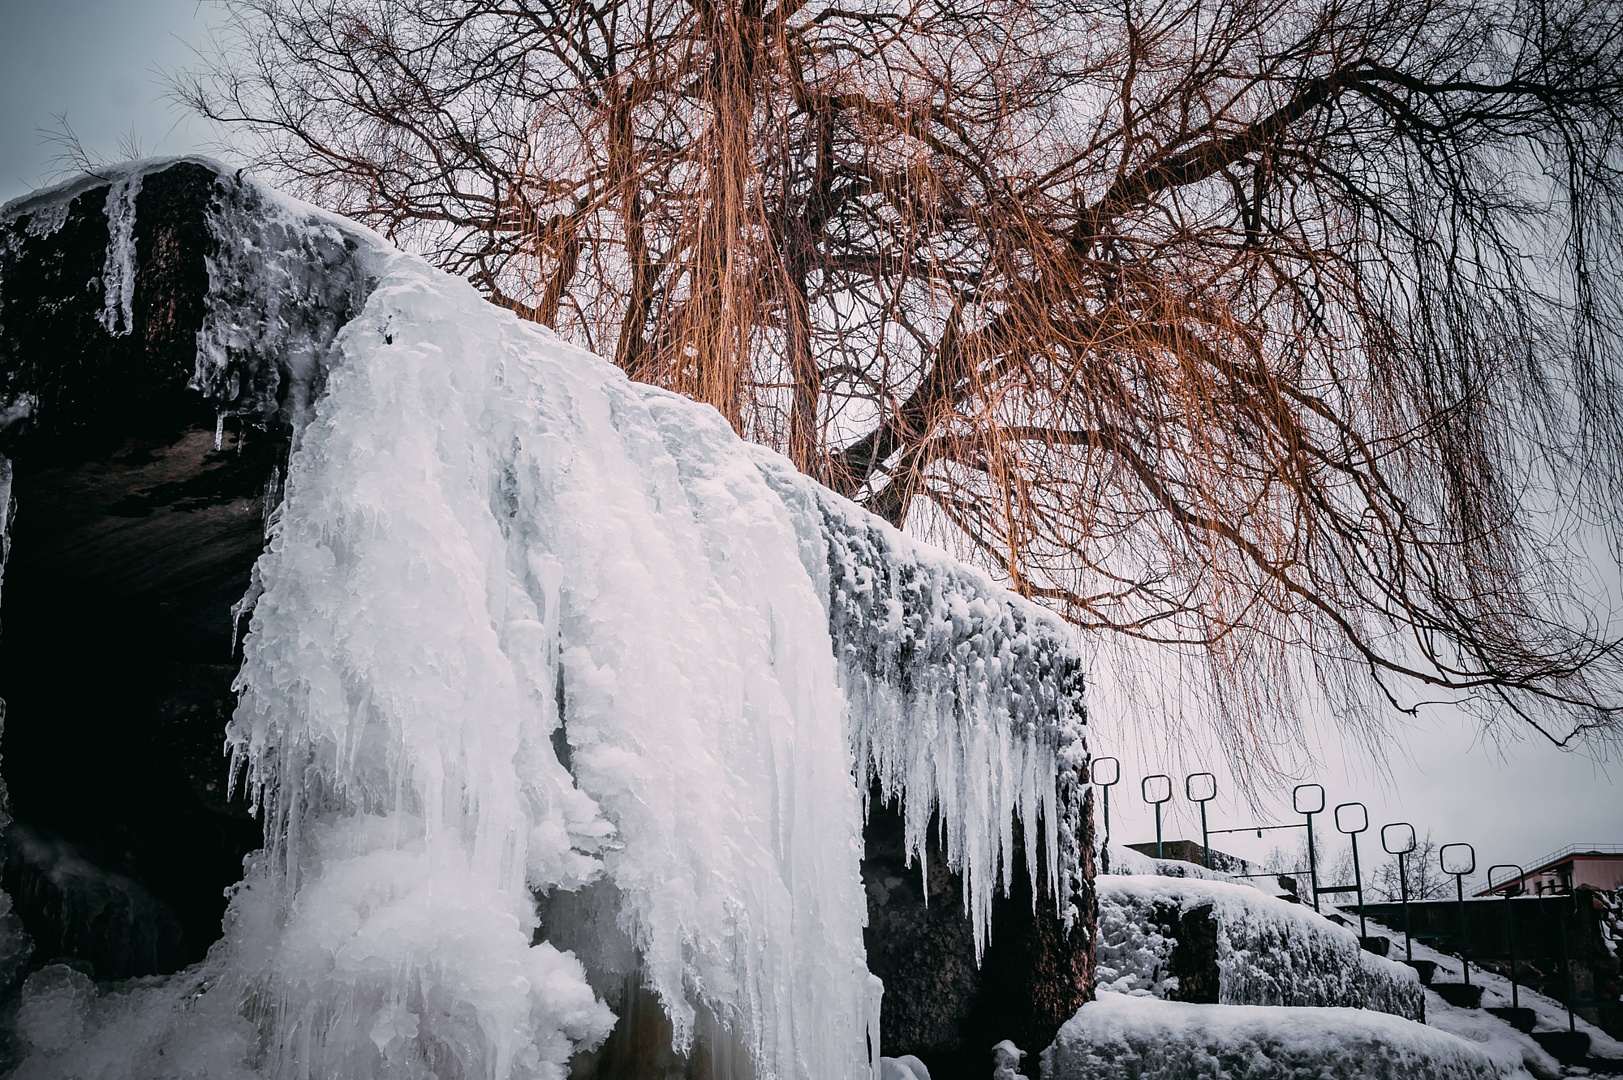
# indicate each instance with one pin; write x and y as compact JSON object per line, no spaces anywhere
{"x":1269,"y":952}
{"x":1120,"y":1036}
{"x":118,"y":266}
{"x":496,"y":556}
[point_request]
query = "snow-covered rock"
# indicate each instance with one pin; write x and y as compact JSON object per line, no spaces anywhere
{"x":1123,"y":1037}
{"x":1177,"y":937}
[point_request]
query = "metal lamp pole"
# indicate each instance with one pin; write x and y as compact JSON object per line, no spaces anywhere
{"x":1352,"y":818}
{"x":1156,"y":794}
{"x":1208,"y":785}
{"x":1105,"y":772}
{"x":1307,"y":800}
{"x":1510,"y":920}
{"x":1398,"y":839}
{"x":1461,"y":864}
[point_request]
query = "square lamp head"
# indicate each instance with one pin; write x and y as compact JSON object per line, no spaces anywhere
{"x":1200,"y":787}
{"x":1105,"y":772}
{"x":1156,"y":788}
{"x":1398,"y":838}
{"x":1457,"y":859}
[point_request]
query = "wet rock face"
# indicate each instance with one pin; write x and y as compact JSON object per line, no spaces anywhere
{"x":133,"y":536}
{"x":939,"y":1005}
{"x":1194,"y":957}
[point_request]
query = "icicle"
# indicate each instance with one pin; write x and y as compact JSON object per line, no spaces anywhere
{"x":118,"y":268}
{"x":6,"y":511}
{"x":964,"y":699}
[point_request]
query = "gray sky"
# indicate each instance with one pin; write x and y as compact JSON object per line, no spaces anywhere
{"x":100,"y":63}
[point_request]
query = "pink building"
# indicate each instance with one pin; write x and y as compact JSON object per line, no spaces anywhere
{"x":1591,"y":866}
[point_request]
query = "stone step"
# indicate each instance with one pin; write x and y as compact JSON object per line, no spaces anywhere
{"x":1459,"y":995}
{"x":1567,"y":1047}
{"x":1426,"y":969}
{"x":1521,"y":1019}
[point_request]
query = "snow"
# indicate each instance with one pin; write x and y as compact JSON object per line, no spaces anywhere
{"x":1493,"y":1036}
{"x":1269,"y":952}
{"x":906,"y":1067}
{"x":1006,"y":1061}
{"x":525,"y":628}
{"x":1122,"y":1036}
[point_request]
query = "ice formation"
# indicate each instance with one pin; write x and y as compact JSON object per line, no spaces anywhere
{"x":118,"y":277}
{"x":522,"y":625}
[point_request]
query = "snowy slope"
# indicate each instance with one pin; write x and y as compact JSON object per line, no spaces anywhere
{"x":1494,"y":1035}
{"x":522,"y":625}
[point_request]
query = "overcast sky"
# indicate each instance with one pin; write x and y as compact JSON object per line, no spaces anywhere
{"x":100,"y":63}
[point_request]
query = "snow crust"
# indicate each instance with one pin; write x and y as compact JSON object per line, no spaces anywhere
{"x":1121,"y":1036}
{"x":1269,"y":952}
{"x":526,"y":628}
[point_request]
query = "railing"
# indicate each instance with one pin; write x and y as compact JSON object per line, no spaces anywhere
{"x":1575,"y":849}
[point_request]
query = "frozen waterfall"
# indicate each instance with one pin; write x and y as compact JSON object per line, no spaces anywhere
{"x":523,"y":627}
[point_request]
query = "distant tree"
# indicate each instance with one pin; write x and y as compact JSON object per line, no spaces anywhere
{"x":1422,"y":871}
{"x":1425,"y":875}
{"x":1284,"y":336}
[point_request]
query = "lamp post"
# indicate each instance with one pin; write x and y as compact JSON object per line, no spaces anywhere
{"x":1398,"y":839}
{"x":1352,"y":818}
{"x":1510,"y":920}
{"x":1461,"y":862}
{"x":1307,"y":800}
{"x":1201,"y":788}
{"x":1105,"y":772}
{"x":1156,"y":789}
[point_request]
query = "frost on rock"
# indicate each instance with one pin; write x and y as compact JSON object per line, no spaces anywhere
{"x":282,"y":281}
{"x":1120,"y":1037}
{"x":1268,"y":952}
{"x":525,"y":628}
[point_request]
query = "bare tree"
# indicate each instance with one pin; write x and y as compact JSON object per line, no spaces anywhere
{"x":1423,"y":873}
{"x":1285,"y":337}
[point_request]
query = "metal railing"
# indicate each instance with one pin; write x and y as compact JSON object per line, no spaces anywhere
{"x":1575,"y":849}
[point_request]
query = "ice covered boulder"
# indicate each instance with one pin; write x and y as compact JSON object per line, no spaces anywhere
{"x":1200,"y":940}
{"x":558,"y":706}
{"x":1125,"y":1037}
